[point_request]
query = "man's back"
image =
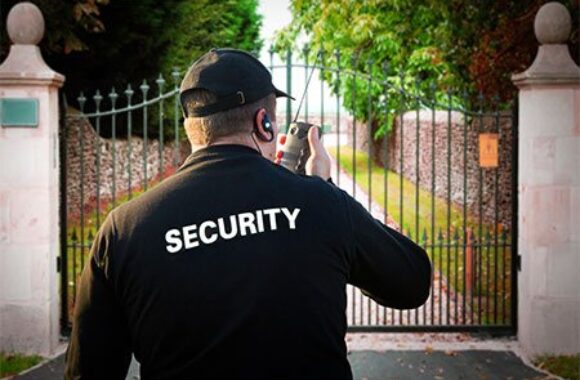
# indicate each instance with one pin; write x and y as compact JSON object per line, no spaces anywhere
{"x":235,"y":267}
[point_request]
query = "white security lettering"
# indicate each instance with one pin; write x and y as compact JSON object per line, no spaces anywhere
{"x":202,"y":234}
{"x":291,"y":217}
{"x":229,"y":227}
{"x":222,"y":228}
{"x":173,"y":237}
{"x":260,"y":220}
{"x":271,"y":212}
{"x":247,"y":222}
{"x":189,"y":236}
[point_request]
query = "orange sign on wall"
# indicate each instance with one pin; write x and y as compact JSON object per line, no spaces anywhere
{"x":488,"y":150}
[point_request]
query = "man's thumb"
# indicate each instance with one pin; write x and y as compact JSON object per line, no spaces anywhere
{"x":314,"y":140}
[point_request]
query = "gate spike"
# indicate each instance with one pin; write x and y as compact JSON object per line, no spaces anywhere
{"x":487,"y":234}
{"x":354,"y":61}
{"x":417,"y":89}
{"x":144,"y":88}
{"x":175,"y":74}
{"x":113,"y":96}
{"x":98,"y":98}
{"x":480,"y":99}
{"x":456,"y":235}
{"x":160,"y":83}
{"x":402,"y":80}
{"x":271,"y":53}
{"x":306,"y":51}
{"x":440,"y":235}
{"x":129,"y":93}
{"x":81,"y":99}
{"x":424,"y":237}
{"x":450,"y":97}
{"x":90,"y":236}
{"x":74,"y":237}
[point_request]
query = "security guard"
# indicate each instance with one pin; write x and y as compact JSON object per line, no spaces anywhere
{"x":234,"y":267}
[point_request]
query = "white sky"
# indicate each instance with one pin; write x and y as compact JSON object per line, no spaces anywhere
{"x":276,"y":15}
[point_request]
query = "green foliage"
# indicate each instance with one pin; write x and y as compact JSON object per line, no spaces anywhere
{"x":394,"y":42}
{"x":65,"y":20}
{"x":204,"y":24}
{"x":12,"y":363}
{"x":98,"y":44}
{"x":443,"y":50}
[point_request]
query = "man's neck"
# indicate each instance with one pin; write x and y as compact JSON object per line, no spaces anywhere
{"x":230,"y":140}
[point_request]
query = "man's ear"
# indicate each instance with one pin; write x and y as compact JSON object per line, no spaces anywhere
{"x":262,"y":133}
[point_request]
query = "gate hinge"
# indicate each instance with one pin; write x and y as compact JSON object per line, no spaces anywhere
{"x":58,"y":264}
{"x":519,"y":262}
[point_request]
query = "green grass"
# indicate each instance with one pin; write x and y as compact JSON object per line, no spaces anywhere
{"x":566,"y":366}
{"x":12,"y":363}
{"x":438,"y":226}
{"x":380,"y":186}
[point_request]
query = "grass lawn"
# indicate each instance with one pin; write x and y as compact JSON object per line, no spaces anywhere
{"x":438,"y":226}
{"x":11,"y":363}
{"x":566,"y":366}
{"x":390,"y":183}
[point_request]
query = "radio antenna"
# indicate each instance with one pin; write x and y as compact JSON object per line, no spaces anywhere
{"x":306,"y":87}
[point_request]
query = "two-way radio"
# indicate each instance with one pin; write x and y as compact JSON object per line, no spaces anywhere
{"x":296,"y":149}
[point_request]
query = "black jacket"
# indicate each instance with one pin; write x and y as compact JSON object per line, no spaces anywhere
{"x":235,"y":267}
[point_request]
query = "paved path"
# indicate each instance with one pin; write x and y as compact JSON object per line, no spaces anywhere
{"x":395,"y":365}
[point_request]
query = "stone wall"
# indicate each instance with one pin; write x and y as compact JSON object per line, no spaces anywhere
{"x":460,"y":139}
{"x":84,"y":147}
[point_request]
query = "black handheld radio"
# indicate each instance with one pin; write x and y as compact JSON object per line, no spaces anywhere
{"x":296,"y":149}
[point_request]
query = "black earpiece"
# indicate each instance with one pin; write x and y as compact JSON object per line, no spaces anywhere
{"x":266,"y":123}
{"x":267,"y":126}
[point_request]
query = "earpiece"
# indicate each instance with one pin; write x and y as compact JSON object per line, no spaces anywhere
{"x":267,"y":126}
{"x":266,"y":123}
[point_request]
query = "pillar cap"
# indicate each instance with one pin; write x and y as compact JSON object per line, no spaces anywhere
{"x":553,"y":64}
{"x":24,"y":65}
{"x":553,"y":24}
{"x":25,"y":24}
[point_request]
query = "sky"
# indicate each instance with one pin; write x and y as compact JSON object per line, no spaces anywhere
{"x":276,"y":15}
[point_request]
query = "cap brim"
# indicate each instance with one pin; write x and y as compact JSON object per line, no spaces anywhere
{"x":282,"y":93}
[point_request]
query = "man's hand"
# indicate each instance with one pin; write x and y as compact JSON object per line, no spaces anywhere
{"x":319,"y":161}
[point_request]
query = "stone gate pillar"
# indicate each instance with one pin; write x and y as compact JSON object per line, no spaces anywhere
{"x":29,"y":185}
{"x":549,"y":191}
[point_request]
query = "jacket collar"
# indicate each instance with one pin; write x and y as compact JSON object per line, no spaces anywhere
{"x":222,"y":150}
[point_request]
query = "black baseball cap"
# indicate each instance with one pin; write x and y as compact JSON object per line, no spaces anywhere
{"x":235,"y":77}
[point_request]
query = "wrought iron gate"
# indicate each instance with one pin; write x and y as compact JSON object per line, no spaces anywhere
{"x":443,"y":175}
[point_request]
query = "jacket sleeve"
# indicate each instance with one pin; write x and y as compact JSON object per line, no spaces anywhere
{"x":387,"y":266}
{"x":99,"y":346}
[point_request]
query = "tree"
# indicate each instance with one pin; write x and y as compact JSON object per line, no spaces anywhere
{"x":98,"y":44}
{"x":65,"y":20}
{"x":441,"y":49}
